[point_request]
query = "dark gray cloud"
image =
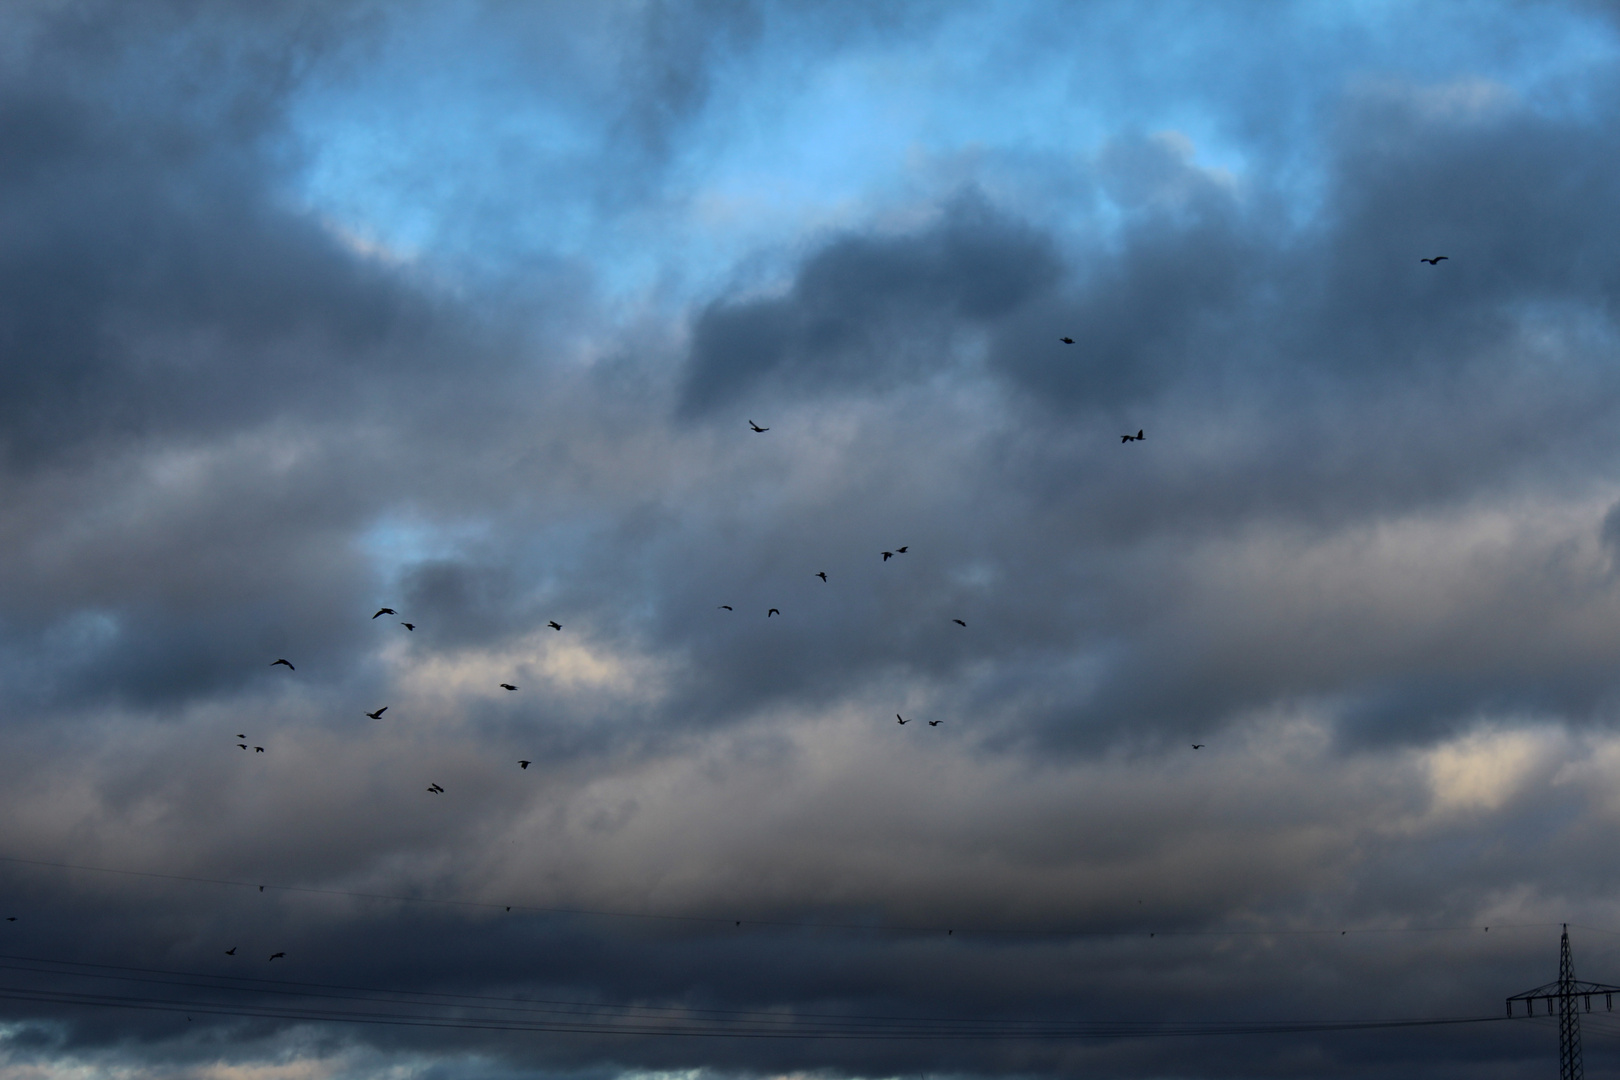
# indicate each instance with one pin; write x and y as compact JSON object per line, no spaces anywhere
{"x":865,"y":312}
{"x":1365,"y":553}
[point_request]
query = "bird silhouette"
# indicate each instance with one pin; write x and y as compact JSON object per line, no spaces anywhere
{"x":1131,"y":438}
{"x":378,"y":714}
{"x":555,"y":625}
{"x":756,"y":427}
{"x":507,"y":686}
{"x":11,"y":918}
{"x":408,"y":626}
{"x":1436,"y":260}
{"x":239,"y":735}
{"x":900,"y":718}
{"x":277,"y":955}
{"x":822,"y":574}
{"x":901,"y":550}
{"x":1197,"y":746}
{"x":1067,"y":340}
{"x":384,"y":611}
{"x":258,"y":749}
{"x":243,"y":745}
{"x":959,"y":622}
{"x":726,"y":607}
{"x":231,"y":951}
{"x":887,"y":555}
{"x":523,"y":764}
{"x":273,"y":663}
{"x":771,"y":612}
{"x":935,"y":723}
{"x":436,"y":789}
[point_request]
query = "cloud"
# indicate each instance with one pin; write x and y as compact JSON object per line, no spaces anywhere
{"x":305,"y":314}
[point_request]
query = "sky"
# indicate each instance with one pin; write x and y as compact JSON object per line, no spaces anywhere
{"x":1217,"y":743}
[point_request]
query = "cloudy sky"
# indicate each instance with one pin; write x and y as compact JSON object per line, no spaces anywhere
{"x":465,"y":310}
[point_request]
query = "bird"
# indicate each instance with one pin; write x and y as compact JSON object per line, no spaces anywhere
{"x":887,"y":555}
{"x":822,"y":574}
{"x":384,"y":611}
{"x":1436,"y":260}
{"x":378,"y":714}
{"x":507,"y":686}
{"x":273,"y":663}
{"x":1067,"y":340}
{"x":277,"y":955}
{"x":261,"y":888}
{"x":771,"y":612}
{"x":239,"y":735}
{"x":436,"y":789}
{"x":901,"y":550}
{"x":243,"y":745}
{"x":11,"y":918}
{"x":935,"y":723}
{"x":555,"y":625}
{"x":756,"y":427}
{"x":1197,"y":746}
{"x":1131,"y":438}
{"x":231,"y":951}
{"x":959,"y":622}
{"x":258,"y":749}
{"x":900,"y":718}
{"x":523,"y":764}
{"x":408,"y":626}
{"x":725,"y":607}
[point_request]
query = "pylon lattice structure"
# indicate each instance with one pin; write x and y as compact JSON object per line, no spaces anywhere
{"x":1571,"y":996}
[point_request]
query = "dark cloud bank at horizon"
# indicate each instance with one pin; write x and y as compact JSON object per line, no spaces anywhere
{"x":465,"y":310}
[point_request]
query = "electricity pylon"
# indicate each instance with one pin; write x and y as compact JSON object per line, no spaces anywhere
{"x":1565,"y":992}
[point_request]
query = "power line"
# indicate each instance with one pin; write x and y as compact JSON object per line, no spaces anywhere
{"x":1061,"y":1031}
{"x":952,"y":929}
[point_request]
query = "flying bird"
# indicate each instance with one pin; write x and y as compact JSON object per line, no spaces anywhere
{"x":277,"y":955}
{"x":901,"y":550}
{"x":258,"y":749}
{"x":378,"y":714}
{"x":771,"y":612}
{"x":726,"y":607}
{"x":555,"y":625}
{"x":384,"y":611}
{"x":436,"y":789}
{"x":507,"y":686}
{"x":887,"y":555}
{"x":935,"y":723}
{"x":1197,"y":746}
{"x":231,"y":951}
{"x":959,"y":622}
{"x":273,"y":663}
{"x":1067,"y":340}
{"x":243,"y":745}
{"x":1436,"y":260}
{"x":756,"y":427}
{"x":239,"y":735}
{"x":11,"y":918}
{"x":522,"y":765}
{"x":1131,"y":438}
{"x":408,"y":626}
{"x":822,"y":574}
{"x":900,"y":718}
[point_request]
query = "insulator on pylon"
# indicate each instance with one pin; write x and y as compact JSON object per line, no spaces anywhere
{"x":1588,"y":998}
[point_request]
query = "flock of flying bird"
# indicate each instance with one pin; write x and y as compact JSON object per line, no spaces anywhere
{"x":436,"y":789}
